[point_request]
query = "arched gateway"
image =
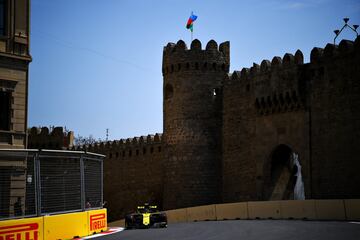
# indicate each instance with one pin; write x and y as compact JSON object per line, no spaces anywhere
{"x":284,"y":179}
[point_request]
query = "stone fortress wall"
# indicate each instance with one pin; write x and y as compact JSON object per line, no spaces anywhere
{"x":133,"y":172}
{"x":56,"y":138}
{"x":232,"y":137}
{"x":286,"y":106}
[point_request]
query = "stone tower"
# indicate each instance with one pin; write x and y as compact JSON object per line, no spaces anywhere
{"x":193,"y":122}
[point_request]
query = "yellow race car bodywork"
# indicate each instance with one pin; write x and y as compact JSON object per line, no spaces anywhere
{"x":146,"y":216}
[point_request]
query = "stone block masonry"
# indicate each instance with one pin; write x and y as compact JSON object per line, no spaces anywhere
{"x":133,"y":173}
{"x":234,"y":137}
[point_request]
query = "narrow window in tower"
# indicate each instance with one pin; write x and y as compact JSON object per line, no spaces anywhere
{"x":215,"y":92}
{"x":5,"y":110}
{"x":2,"y":17}
{"x":169,"y":91}
{"x":214,"y":66}
{"x":205,"y":66}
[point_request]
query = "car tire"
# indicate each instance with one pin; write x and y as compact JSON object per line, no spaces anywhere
{"x":127,"y":225}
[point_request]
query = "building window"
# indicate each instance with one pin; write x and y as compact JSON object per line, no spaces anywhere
{"x":2,"y":17}
{"x":5,"y":110}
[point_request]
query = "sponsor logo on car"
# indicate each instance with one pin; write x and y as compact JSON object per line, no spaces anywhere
{"x":146,"y":218}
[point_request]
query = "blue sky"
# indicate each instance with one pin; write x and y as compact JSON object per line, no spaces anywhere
{"x":97,"y":63}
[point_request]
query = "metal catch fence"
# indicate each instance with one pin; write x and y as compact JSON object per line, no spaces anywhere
{"x":45,"y":182}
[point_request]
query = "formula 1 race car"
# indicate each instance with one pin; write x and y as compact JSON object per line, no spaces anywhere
{"x":145,"y":217}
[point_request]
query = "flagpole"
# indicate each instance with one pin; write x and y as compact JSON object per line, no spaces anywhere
{"x":190,"y":25}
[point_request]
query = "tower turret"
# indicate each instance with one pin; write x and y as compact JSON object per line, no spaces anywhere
{"x":192,"y":108}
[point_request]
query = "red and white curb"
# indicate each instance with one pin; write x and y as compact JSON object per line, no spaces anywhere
{"x":111,"y":230}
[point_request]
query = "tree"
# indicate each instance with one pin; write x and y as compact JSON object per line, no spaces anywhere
{"x":80,"y":140}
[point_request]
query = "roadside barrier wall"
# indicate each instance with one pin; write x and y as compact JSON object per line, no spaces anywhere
{"x":298,"y":209}
{"x":329,"y":209}
{"x":352,"y":209}
{"x":230,"y":211}
{"x":264,"y":210}
{"x":201,"y":213}
{"x":177,"y":215}
{"x":27,"y":228}
{"x":64,"y":226}
{"x":61,"y":226}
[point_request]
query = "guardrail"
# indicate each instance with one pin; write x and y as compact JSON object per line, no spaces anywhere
{"x":329,"y":209}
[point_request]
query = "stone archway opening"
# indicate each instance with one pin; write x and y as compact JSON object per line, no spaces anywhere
{"x":285,"y":180}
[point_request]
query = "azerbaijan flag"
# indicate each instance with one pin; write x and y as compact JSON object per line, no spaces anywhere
{"x":192,"y":19}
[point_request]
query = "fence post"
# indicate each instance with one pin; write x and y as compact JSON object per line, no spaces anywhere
{"x":102,"y":183}
{"x":37,"y":184}
{"x":82,"y":177}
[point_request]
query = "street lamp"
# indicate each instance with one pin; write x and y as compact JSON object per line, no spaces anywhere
{"x":354,"y":28}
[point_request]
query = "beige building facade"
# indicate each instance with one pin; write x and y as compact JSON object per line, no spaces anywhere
{"x":14,"y":72}
{"x":15,"y":174}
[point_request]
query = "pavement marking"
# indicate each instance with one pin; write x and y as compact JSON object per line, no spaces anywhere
{"x":111,"y":230}
{"x":355,"y":222}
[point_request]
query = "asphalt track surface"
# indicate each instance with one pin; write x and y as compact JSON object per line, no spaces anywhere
{"x":245,"y":230}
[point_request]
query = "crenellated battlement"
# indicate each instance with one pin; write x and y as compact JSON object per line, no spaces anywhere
{"x":178,"y":58}
{"x":277,"y":64}
{"x":278,"y":85}
{"x":318,"y":55}
{"x":126,"y":147}
{"x":43,"y":138}
{"x":331,"y":51}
